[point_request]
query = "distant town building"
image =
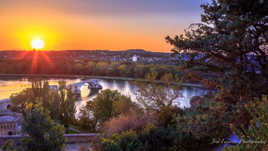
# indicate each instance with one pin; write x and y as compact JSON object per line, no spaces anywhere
{"x":10,"y":125}
{"x":135,"y":58}
{"x":10,"y":122}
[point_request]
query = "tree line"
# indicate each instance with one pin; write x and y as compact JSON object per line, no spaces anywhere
{"x":65,"y":65}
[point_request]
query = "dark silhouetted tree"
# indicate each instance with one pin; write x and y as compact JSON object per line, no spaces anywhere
{"x":228,"y":50}
{"x":43,"y":133}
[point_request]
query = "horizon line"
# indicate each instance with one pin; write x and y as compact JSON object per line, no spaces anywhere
{"x":46,"y":50}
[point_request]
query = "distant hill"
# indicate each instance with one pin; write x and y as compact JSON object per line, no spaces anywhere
{"x":136,"y":50}
{"x":143,"y":56}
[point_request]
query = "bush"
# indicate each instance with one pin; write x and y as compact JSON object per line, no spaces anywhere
{"x":154,"y":138}
{"x":159,"y":97}
{"x":172,"y":129}
{"x":107,"y":105}
{"x":256,"y":136}
{"x":206,"y":120}
{"x":125,"y":122}
{"x":9,"y":146}
{"x":150,"y":138}
{"x":83,"y":148}
{"x":121,"y":142}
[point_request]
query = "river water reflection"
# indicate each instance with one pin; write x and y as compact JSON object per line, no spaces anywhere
{"x":8,"y":87}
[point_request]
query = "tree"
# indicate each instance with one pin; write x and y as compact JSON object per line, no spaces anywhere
{"x":101,"y":68}
{"x":106,"y":105}
{"x":43,"y":133}
{"x":123,"y":70}
{"x":139,"y":71}
{"x":112,"y":70}
{"x":159,"y":97}
{"x":230,"y":45}
{"x":9,"y":146}
{"x":157,"y":94}
{"x":63,"y":105}
{"x":91,"y":67}
{"x":60,"y":102}
{"x":256,"y":135}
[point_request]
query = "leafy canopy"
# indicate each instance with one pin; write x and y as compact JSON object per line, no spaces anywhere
{"x":228,"y":49}
{"x":60,"y":102}
{"x":106,"y":105}
{"x":43,"y":133}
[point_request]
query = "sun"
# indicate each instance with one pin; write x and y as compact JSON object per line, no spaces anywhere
{"x":37,"y":44}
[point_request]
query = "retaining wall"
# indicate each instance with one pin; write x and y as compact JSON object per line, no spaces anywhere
{"x":70,"y":138}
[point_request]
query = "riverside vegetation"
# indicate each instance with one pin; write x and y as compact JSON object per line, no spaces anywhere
{"x":59,"y":63}
{"x":231,"y":45}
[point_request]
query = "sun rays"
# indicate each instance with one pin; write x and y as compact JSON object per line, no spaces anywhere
{"x":36,"y":59}
{"x":37,"y":44}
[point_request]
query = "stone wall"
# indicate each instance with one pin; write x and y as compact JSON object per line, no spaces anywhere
{"x":80,"y":138}
{"x":71,"y":138}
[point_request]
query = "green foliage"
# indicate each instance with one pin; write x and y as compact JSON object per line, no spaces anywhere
{"x":9,"y":146}
{"x":106,"y":105}
{"x":60,"y":103}
{"x":124,"y":105}
{"x":256,"y":136}
{"x":101,"y":67}
{"x":158,"y":97}
{"x":154,"y":94}
{"x":158,"y":138}
{"x":230,"y":45}
{"x":43,"y":133}
{"x":227,"y":52}
{"x":186,"y":135}
{"x":148,"y":139}
{"x":119,"y":142}
{"x":154,"y":138}
{"x":71,"y":63}
{"x":173,"y":129}
{"x":206,"y":121}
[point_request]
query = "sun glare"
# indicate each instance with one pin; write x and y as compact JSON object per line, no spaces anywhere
{"x":37,"y":44}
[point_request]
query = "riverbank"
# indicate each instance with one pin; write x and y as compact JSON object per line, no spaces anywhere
{"x":54,"y":76}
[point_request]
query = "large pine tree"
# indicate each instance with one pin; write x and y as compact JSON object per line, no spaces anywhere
{"x":230,"y":44}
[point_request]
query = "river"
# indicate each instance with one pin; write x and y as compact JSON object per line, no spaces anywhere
{"x":126,"y":87}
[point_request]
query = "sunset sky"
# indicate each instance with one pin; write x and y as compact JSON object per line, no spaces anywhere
{"x":94,"y":24}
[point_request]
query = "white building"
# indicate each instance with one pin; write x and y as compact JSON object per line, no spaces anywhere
{"x":10,"y":122}
{"x":135,"y":58}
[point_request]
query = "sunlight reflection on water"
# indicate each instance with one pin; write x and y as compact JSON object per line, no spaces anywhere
{"x":8,"y":87}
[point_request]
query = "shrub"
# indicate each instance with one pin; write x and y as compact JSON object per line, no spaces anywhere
{"x":83,"y":148}
{"x":154,"y":138}
{"x":206,"y":120}
{"x":107,"y":105}
{"x":125,"y":141}
{"x":159,"y":97}
{"x":150,"y":138}
{"x":188,"y":130}
{"x":256,"y":136}
{"x":125,"y":122}
{"x":9,"y":146}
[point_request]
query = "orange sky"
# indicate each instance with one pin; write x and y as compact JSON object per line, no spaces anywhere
{"x":71,"y":30}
